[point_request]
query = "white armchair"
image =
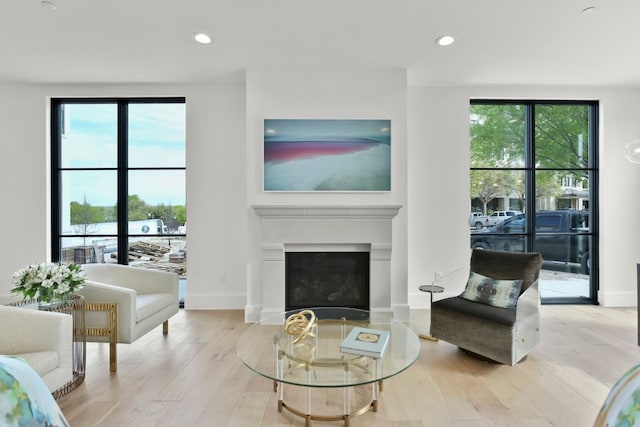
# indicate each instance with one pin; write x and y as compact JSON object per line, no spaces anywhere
{"x":43,"y":339}
{"x":123,"y":303}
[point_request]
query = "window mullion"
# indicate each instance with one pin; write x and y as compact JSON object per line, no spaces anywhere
{"x":530,"y":164}
{"x":123,"y":178}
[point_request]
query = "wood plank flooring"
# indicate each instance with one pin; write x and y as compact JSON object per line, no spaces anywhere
{"x":192,"y":377}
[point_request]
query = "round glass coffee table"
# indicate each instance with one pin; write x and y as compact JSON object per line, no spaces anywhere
{"x":308,"y":354}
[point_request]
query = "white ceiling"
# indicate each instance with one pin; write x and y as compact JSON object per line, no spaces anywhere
{"x":512,"y":42}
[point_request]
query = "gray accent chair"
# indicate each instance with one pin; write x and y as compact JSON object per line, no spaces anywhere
{"x":503,"y":335}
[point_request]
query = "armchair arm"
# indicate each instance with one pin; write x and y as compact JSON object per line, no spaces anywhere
{"x":529,"y":302}
{"x":26,"y":330}
{"x":125,"y":298}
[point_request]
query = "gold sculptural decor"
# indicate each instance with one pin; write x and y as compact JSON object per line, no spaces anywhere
{"x":301,"y":326}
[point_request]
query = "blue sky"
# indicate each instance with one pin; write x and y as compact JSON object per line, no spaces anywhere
{"x":156,"y":138}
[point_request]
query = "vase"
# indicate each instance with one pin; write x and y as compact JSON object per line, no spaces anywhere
{"x":50,"y":305}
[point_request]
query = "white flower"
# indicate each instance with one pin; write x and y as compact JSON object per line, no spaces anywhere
{"x":46,"y":281}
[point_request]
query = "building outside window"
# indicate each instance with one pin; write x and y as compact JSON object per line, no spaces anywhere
{"x":118,"y":182}
{"x":534,"y":173}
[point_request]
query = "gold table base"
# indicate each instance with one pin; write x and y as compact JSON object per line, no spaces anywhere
{"x":370,"y":406}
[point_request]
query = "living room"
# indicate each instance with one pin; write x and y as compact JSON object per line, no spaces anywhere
{"x":430,"y":152}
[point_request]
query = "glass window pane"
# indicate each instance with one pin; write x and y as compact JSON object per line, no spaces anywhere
{"x":89,"y":249}
{"x":166,"y":253}
{"x":562,"y":190}
{"x":497,"y":136}
{"x":157,"y":135}
{"x":562,"y":136}
{"x":158,"y":194}
{"x":89,"y":135}
{"x":88,"y":201}
{"x":497,"y":190}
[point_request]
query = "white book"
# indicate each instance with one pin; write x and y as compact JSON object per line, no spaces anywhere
{"x":366,"y":342}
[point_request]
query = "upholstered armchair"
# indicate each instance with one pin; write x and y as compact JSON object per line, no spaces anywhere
{"x":498,"y":314}
{"x":123,"y":303}
{"x":43,"y":339}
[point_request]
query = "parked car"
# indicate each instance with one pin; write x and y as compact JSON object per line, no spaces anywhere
{"x":498,"y":216}
{"x":560,"y":236}
{"x":478,"y":220}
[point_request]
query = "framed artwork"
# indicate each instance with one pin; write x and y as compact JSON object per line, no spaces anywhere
{"x":327,"y":155}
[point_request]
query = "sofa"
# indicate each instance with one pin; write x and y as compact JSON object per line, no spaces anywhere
{"x":123,"y":303}
{"x":43,"y":339}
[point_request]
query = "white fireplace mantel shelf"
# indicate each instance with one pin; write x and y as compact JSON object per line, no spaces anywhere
{"x":327,"y":211}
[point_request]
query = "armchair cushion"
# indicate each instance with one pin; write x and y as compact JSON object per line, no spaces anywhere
{"x":149,"y":304}
{"x":498,"y":293}
{"x":503,"y":316}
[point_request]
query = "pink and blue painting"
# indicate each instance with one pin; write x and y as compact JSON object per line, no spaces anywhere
{"x":327,"y":155}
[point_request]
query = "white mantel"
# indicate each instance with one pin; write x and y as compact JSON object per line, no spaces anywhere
{"x":322,"y":226}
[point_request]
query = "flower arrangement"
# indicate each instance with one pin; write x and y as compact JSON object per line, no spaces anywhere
{"x":47,"y":282}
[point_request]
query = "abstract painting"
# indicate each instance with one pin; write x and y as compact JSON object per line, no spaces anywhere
{"x":327,"y":155}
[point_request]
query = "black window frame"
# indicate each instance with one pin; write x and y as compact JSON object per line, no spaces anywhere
{"x":530,"y":170}
{"x":122,"y":168}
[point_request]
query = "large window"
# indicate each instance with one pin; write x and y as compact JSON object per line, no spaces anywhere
{"x":118,"y":182}
{"x":534,"y":175}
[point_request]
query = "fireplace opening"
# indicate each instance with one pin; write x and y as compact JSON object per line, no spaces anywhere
{"x":326,"y":279}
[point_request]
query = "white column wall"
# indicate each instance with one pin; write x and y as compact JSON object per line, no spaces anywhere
{"x":328,"y":94}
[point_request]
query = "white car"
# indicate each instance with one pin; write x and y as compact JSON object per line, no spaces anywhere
{"x":498,"y":216}
{"x":478,"y":220}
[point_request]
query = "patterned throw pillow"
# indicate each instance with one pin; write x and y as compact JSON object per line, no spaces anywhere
{"x":485,"y":290}
{"x":24,"y":397}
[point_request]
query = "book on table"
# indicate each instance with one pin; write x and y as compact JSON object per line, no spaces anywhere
{"x":366,"y":342}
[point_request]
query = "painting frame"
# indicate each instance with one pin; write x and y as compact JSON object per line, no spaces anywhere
{"x":326,"y":155}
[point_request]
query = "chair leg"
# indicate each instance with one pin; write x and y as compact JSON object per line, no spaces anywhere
{"x":111,"y":331}
{"x":113,"y":357}
{"x":165,"y":327}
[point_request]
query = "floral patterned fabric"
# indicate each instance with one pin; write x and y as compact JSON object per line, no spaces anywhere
{"x":498,"y":293}
{"x":25,"y":400}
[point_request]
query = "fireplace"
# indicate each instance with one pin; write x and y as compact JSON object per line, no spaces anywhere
{"x":326,"y":279}
{"x":282,"y":230}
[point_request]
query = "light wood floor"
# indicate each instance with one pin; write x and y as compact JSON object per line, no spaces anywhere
{"x":193,"y":378}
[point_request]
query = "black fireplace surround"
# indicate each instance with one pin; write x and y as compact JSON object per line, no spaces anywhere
{"x":326,"y":279}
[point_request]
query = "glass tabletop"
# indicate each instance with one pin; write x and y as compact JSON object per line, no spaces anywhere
{"x":316,"y":359}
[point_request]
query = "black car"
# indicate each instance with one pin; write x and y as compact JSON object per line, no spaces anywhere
{"x":561,"y":236}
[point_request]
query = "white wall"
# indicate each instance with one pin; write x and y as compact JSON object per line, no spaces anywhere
{"x":216,"y":176}
{"x":439,"y":189}
{"x":224,"y":137}
{"x":23,"y":174}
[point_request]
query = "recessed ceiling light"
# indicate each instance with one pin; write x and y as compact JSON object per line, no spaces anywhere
{"x":202,"y":38}
{"x":445,"y":40}
{"x":48,"y":5}
{"x":589,"y":10}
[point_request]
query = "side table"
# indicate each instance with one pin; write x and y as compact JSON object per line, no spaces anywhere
{"x":432,"y":289}
{"x":75,"y":306}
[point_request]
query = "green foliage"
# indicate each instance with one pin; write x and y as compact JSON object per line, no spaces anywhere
{"x":83,"y":215}
{"x":137,"y":209}
{"x":498,"y":141}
